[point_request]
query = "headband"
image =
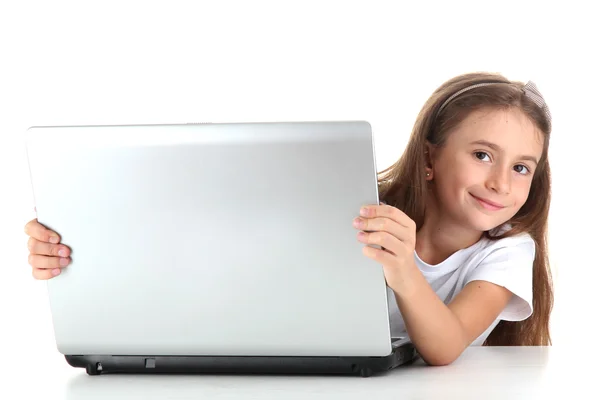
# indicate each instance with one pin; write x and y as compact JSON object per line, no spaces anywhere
{"x":530,"y":90}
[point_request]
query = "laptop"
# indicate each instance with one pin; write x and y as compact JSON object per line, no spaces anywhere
{"x":214,"y":247}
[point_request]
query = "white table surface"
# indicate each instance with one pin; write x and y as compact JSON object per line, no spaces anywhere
{"x":480,"y":373}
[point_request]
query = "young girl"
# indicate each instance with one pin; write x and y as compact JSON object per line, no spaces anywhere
{"x":463,"y":226}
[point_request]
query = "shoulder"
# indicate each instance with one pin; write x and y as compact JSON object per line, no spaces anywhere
{"x":508,"y":262}
{"x":510,"y":256}
{"x":520,"y":245}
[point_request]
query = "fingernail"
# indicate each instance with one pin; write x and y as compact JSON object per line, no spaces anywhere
{"x":64,"y":262}
{"x":56,"y":271}
{"x":364,"y":211}
{"x":53,"y":239}
{"x":62,"y":253}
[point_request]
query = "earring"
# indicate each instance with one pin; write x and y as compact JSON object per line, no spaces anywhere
{"x":427,"y":174}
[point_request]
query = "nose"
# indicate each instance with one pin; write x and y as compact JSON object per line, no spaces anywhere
{"x":499,"y":180}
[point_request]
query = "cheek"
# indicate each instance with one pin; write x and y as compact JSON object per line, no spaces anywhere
{"x":457,"y":180}
{"x":451,"y":186}
{"x":454,"y":176}
{"x":521,"y":192}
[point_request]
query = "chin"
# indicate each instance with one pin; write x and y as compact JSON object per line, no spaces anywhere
{"x":483,"y":223}
{"x":482,"y":227}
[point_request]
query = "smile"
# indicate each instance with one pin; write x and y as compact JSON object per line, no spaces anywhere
{"x":487,"y":204}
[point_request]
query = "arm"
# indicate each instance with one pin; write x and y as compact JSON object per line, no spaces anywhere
{"x":441,"y":332}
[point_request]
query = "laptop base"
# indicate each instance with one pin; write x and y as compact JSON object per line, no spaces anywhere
{"x":360,"y":366}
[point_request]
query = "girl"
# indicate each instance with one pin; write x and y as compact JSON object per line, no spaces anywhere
{"x":462,"y":233}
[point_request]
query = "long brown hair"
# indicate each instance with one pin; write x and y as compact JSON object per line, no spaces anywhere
{"x":403,"y":185}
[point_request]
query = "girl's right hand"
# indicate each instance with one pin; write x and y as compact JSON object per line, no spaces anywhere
{"x":46,"y":255}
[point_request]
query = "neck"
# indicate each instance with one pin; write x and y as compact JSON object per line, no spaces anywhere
{"x":440,"y":237}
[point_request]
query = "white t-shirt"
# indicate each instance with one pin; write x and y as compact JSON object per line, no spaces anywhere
{"x":506,"y":262}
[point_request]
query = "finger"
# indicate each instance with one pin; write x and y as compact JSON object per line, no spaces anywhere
{"x":44,"y":274}
{"x":396,"y":215}
{"x":390,"y":212}
{"x":45,"y":262}
{"x":36,"y":230}
{"x":47,"y":249}
{"x":386,"y":241}
{"x":381,"y":256}
{"x":384,"y":224}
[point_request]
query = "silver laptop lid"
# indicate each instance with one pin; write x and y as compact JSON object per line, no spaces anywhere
{"x":211,"y":239}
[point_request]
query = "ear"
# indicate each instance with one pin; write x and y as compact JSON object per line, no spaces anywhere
{"x":429,"y":157}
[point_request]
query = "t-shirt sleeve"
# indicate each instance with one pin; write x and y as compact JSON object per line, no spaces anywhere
{"x":510,"y":266}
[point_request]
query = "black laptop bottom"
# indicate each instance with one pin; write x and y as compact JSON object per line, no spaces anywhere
{"x":363,"y":366}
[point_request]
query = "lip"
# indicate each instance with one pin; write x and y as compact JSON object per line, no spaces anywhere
{"x":488,"y":204}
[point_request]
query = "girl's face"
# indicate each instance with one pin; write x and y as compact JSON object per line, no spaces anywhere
{"x":482,"y":175}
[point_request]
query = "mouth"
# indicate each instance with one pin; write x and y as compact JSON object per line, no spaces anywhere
{"x":488,"y":204}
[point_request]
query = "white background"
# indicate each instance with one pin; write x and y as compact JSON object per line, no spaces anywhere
{"x":124,"y":62}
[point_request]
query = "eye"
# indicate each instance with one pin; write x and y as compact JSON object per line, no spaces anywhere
{"x":522,"y":169}
{"x":481,"y":155}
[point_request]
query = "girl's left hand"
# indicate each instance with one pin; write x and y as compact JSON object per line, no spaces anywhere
{"x":395,"y":232}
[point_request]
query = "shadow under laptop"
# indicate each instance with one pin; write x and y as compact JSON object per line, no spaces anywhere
{"x":174,"y":386}
{"x":242,"y":385}
{"x":471,"y":376}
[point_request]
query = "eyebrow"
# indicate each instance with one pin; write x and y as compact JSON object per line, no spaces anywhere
{"x":495,"y":147}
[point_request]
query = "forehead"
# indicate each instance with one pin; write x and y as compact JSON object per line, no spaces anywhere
{"x":509,"y":128}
